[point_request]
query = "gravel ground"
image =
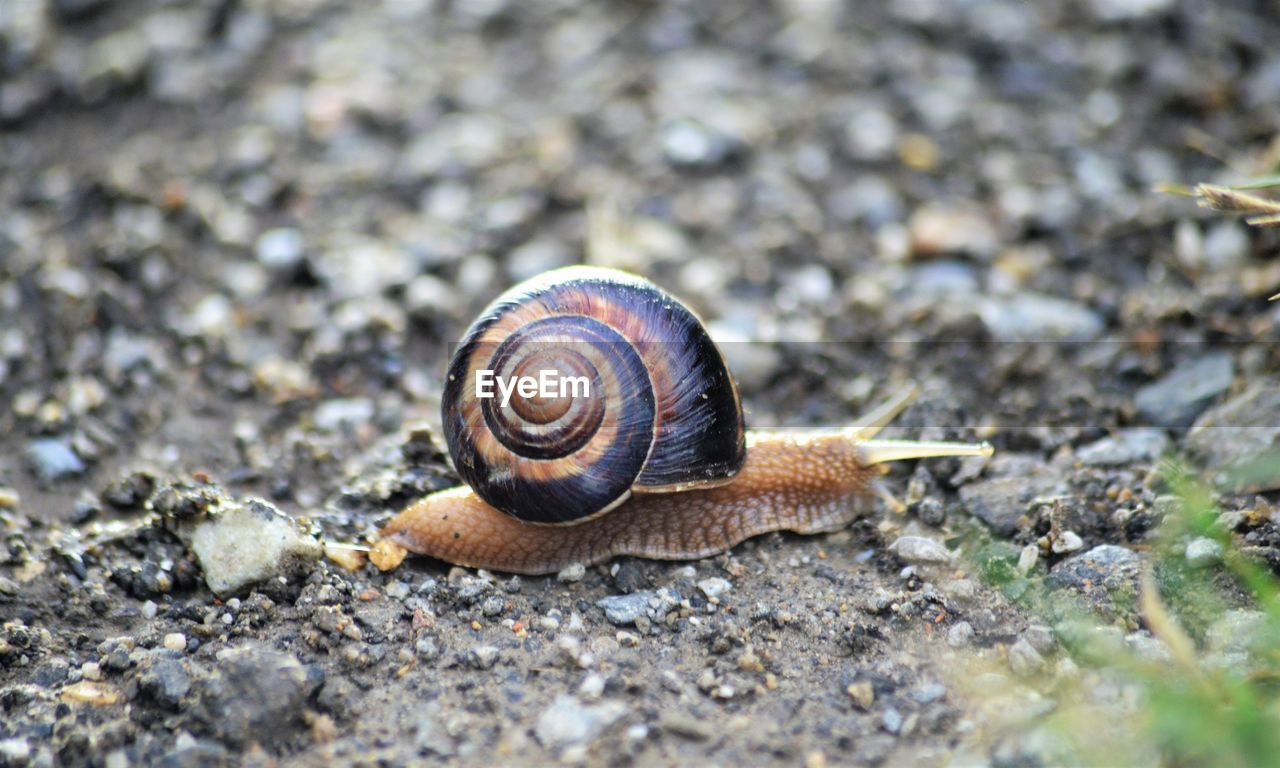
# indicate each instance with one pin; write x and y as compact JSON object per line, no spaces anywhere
{"x":237,"y":238}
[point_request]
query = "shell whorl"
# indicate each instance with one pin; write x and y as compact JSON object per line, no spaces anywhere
{"x":663,"y":411}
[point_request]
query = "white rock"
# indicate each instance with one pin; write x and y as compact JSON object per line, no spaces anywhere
{"x":714,"y":587}
{"x":568,"y":723}
{"x":1027,"y":559}
{"x":1069,"y":541}
{"x":241,"y":544}
{"x":572,"y":573}
{"x":918,"y":549}
{"x":1203,"y":552}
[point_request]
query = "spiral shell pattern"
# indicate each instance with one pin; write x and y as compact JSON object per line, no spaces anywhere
{"x":662,"y":413}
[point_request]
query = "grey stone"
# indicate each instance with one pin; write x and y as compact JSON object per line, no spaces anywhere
{"x":1041,"y":638}
{"x":164,"y":679}
{"x":1126,"y":446}
{"x":1229,"y":437}
{"x":1031,"y":317}
{"x":1176,"y":399}
{"x":1237,"y":631}
{"x":50,"y":673}
{"x":255,"y":694}
{"x":52,"y":459}
{"x":1024,"y":659}
{"x":1107,"y":575}
{"x":960,"y":634}
{"x":691,"y":144}
{"x":622,"y":610}
{"x":334,"y":415}
{"x":15,"y":751}
{"x":928,"y":693}
{"x":891,"y":720}
{"x":1002,"y":502}
{"x":430,"y":733}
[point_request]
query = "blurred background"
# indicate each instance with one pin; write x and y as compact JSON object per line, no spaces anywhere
{"x":238,"y":236}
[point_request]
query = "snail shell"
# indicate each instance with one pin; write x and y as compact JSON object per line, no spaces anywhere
{"x":662,"y":415}
{"x":660,"y":411}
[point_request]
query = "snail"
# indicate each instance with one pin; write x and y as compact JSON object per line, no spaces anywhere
{"x":647,"y":455}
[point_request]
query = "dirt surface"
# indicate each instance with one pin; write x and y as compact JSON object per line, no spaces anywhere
{"x":236,"y":239}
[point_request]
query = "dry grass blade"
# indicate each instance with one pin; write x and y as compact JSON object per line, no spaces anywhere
{"x":1269,"y":220}
{"x":1164,"y":627}
{"x":1222,"y":198}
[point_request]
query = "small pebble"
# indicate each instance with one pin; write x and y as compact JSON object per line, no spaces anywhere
{"x":1203,"y":552}
{"x":1068,"y":541}
{"x":714,"y":587}
{"x":572,"y":573}
{"x":960,"y":635}
{"x":482,"y":656}
{"x":569,"y":723}
{"x":918,"y":549}
{"x":1024,"y":659}
{"x":52,"y":459}
{"x":1027,"y":559}
{"x":892,"y":720}
{"x":175,"y":641}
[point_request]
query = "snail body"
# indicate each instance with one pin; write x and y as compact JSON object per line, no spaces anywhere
{"x":654,"y":463}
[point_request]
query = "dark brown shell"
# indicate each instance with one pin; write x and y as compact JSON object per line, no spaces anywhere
{"x":663,"y":412}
